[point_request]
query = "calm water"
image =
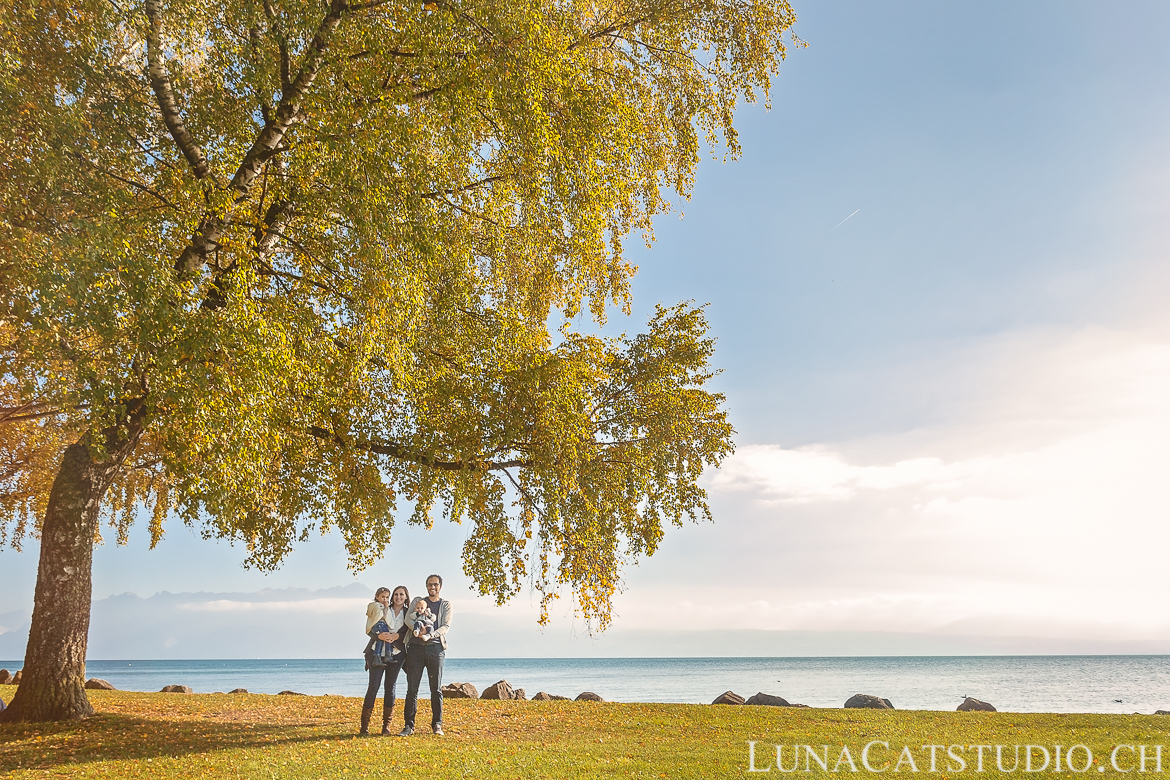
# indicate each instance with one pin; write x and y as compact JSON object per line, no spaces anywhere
{"x":1011,"y":683}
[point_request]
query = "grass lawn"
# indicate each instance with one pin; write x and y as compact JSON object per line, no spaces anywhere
{"x":257,"y":736}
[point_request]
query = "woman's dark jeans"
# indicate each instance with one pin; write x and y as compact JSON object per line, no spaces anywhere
{"x":430,"y":657}
{"x":376,"y":674}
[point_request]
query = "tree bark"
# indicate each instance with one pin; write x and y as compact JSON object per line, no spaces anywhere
{"x":52,"y":686}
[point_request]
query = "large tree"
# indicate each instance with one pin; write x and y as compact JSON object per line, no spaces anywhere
{"x":271,"y":267}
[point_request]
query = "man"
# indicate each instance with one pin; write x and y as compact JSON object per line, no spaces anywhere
{"x":426,"y":652}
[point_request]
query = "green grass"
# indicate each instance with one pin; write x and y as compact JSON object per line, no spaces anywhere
{"x":152,"y":735}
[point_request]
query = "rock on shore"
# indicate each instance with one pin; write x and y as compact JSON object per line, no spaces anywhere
{"x":176,"y":689}
{"x":463,"y":690}
{"x":501,"y":691}
{"x":974,"y":705}
{"x":862,"y":701}
{"x":728,"y":697}
{"x":98,"y":684}
{"x":588,"y":696}
{"x":542,"y":696}
{"x":5,"y":677}
{"x":768,"y":700}
{"x":238,"y":690}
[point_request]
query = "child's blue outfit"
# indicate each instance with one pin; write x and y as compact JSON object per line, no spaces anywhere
{"x":382,"y":648}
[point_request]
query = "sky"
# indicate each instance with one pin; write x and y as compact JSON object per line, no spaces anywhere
{"x":936,"y":275}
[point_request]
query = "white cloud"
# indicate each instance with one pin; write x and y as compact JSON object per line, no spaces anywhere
{"x":304,"y":605}
{"x":1042,"y":508}
{"x":816,"y":473}
{"x":315,"y":605}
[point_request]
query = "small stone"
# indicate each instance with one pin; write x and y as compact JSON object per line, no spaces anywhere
{"x":588,"y":696}
{"x":861,"y":701}
{"x":501,"y":691}
{"x":728,"y":697}
{"x":542,"y":696}
{"x":519,"y":695}
{"x":768,"y":700}
{"x":16,"y":677}
{"x":98,"y":684}
{"x":462,"y":690}
{"x":1162,"y":712}
{"x":176,"y":689}
{"x":238,"y":690}
{"x":974,"y":705}
{"x":290,"y":693}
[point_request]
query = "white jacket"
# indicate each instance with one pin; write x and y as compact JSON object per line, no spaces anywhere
{"x":374,"y":613}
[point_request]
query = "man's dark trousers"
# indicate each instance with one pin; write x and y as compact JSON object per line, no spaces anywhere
{"x":430,"y":657}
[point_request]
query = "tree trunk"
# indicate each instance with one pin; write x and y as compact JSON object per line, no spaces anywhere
{"x":52,"y":686}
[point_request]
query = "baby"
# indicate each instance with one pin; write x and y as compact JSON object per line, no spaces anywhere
{"x":424,"y":620}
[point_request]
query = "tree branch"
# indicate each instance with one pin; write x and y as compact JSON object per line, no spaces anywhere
{"x":288,"y":111}
{"x":266,"y":234}
{"x":468,"y":212}
{"x":267,"y":144}
{"x":277,"y":217}
{"x":140,"y":187}
{"x":531,"y":501}
{"x":472,"y":186}
{"x":160,"y":82}
{"x":267,"y":270}
{"x":282,"y":43}
{"x":401,"y":452}
{"x":29,"y":411}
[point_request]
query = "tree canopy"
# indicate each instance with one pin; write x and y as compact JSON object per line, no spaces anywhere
{"x":283,"y":266}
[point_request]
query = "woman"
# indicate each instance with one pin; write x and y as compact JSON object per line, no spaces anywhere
{"x":394,"y":606}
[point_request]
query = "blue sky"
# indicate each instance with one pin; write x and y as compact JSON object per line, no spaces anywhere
{"x":952,"y":406}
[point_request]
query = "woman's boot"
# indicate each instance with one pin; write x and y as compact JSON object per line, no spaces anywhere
{"x":387,"y":713}
{"x":367,"y":713}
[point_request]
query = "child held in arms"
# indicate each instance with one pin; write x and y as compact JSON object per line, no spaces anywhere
{"x":424,"y":620}
{"x":376,"y":624}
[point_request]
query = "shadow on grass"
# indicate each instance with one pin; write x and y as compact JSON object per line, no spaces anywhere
{"x":108,"y":737}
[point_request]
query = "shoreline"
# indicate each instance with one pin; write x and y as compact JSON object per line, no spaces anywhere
{"x":1030,"y":684}
{"x":176,"y":737}
{"x":7,"y":691}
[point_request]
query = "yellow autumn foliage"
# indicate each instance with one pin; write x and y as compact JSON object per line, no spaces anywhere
{"x":342,"y":252}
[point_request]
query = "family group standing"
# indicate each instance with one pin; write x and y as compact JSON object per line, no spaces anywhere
{"x":411,"y":636}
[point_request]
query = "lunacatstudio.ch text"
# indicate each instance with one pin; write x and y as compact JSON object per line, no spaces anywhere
{"x":878,"y":757}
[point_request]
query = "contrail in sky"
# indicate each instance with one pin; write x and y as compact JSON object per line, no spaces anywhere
{"x":842,"y":222}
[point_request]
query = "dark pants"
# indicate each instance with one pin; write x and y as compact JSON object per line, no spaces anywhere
{"x":376,"y":674}
{"x":430,"y":657}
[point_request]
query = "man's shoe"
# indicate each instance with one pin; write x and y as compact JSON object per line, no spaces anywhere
{"x":438,"y":729}
{"x":406,"y":731}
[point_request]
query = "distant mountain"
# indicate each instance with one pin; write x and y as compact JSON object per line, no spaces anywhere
{"x":327,"y":623}
{"x":271,"y":623}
